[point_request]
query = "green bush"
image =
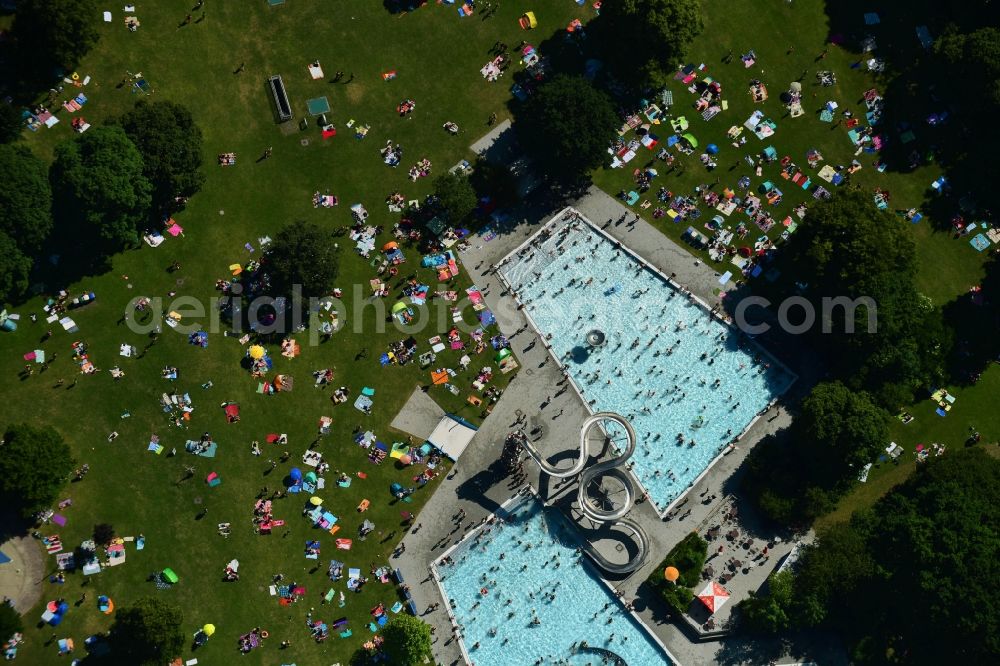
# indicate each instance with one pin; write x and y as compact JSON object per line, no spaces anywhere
{"x":688,"y":556}
{"x":677,"y":597}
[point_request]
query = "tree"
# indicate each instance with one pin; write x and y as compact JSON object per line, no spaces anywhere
{"x":566,"y":126}
{"x":54,"y":34}
{"x":171,"y":146}
{"x":11,"y":123}
{"x":935,"y":539}
{"x":148,"y":632}
{"x":10,"y":621}
{"x":100,"y":189}
{"x":658,"y":34}
{"x":15,"y":269}
{"x":455,"y":196}
{"x":973,"y":59}
{"x":841,"y":431}
{"x":688,"y":557}
{"x":850,"y":250}
{"x":831,"y":573}
{"x":25,"y":198}
{"x":34,"y":463}
{"x":798,"y":474}
{"x":407,"y":640}
{"x":305,"y":255}
{"x":771,"y":613}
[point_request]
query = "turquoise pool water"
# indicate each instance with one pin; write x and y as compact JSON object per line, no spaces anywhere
{"x":688,"y":382}
{"x":541,"y":575}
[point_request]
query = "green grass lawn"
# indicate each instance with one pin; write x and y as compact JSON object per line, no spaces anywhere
{"x":437,"y":57}
{"x":771,"y":29}
{"x":974,"y":407}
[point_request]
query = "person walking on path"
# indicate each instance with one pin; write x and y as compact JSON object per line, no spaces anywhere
{"x":241,"y":68}
{"x":493,"y":119}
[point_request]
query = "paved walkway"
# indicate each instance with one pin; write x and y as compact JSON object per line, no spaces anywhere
{"x":477,"y":484}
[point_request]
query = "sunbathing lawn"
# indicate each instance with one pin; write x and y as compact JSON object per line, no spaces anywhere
{"x":974,"y":406}
{"x":952,"y":266}
{"x":437,"y":57}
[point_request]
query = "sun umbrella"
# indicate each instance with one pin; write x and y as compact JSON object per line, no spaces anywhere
{"x":398,"y":307}
{"x":502,"y":354}
{"x":257,"y":352}
{"x":711,"y":149}
{"x":208,"y":629}
{"x":391,"y":245}
{"x":405,"y":459}
{"x":713,"y":596}
{"x":690,"y":139}
{"x":795,"y":86}
{"x":671,"y":574}
{"x":315,"y":501}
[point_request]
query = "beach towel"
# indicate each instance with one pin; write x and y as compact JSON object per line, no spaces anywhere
{"x":344,"y":544}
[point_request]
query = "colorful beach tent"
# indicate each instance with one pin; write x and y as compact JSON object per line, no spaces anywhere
{"x":713,"y":596}
{"x":452,"y":435}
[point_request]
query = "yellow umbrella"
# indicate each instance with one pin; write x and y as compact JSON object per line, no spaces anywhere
{"x":671,"y":574}
{"x":315,"y":501}
{"x":256,"y":352}
{"x":208,"y":629}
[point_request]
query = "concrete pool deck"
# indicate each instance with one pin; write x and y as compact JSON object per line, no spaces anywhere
{"x":477,"y":484}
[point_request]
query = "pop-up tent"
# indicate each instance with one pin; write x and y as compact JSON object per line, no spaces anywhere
{"x":452,"y":435}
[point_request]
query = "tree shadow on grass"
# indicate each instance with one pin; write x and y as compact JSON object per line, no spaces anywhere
{"x":975,"y":318}
{"x":916,"y":87}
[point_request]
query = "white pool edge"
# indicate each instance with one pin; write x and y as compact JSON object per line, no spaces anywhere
{"x":565,"y":215}
{"x":519,"y":495}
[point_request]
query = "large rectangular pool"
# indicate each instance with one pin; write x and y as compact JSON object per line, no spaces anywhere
{"x":688,"y":382}
{"x":522,"y":595}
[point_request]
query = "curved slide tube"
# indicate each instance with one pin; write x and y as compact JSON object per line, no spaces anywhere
{"x":612,"y":657}
{"x":607,"y":468}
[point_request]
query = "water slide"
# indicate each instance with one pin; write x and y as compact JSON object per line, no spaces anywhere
{"x":611,"y":657}
{"x":611,"y":467}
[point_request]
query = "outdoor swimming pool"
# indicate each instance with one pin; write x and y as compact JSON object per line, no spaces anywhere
{"x":539,"y":560}
{"x":688,"y":382}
